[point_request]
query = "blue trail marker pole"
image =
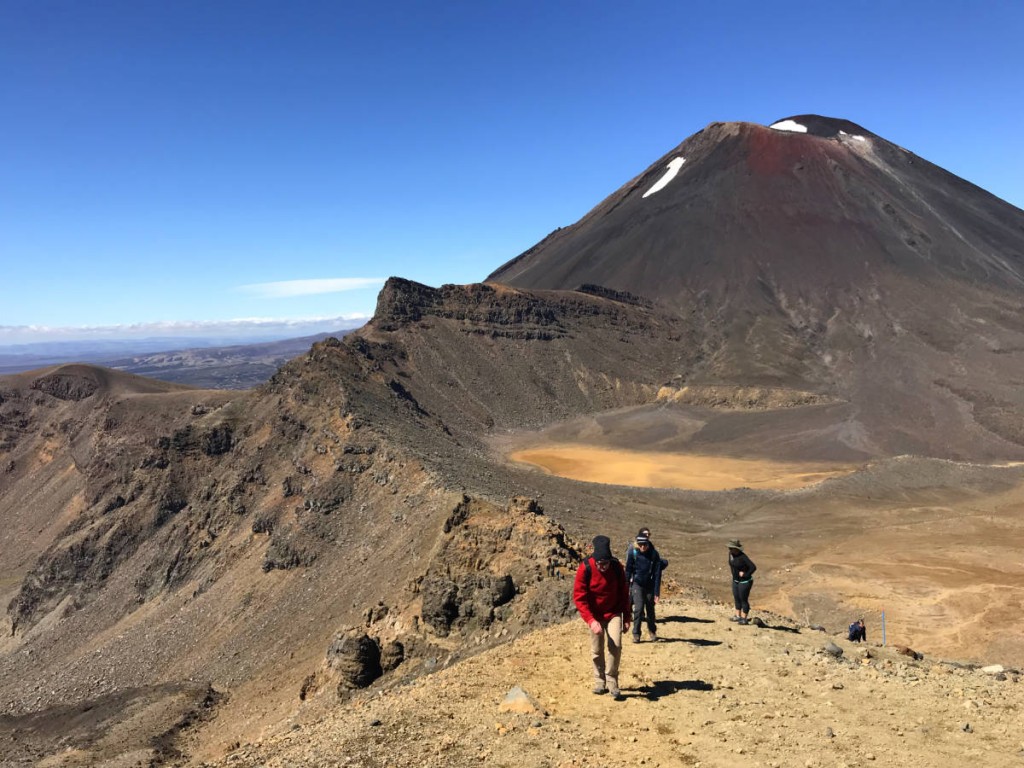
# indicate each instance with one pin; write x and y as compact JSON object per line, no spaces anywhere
{"x":883,"y":626}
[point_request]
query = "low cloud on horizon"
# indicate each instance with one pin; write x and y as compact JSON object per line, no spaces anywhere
{"x":242,"y":328}
{"x":285,"y":289}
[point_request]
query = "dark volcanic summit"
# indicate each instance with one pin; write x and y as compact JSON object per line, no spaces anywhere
{"x":808,"y":216}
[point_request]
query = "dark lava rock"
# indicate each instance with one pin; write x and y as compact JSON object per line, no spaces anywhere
{"x":355,"y":656}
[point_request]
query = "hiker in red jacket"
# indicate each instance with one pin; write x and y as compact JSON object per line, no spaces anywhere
{"x":601,"y":595}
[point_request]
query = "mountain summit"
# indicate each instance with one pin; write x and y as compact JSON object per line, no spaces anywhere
{"x":811,"y":208}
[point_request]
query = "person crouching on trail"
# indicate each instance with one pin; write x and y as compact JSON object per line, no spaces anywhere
{"x":602,"y":598}
{"x":858,"y":633}
{"x":742,"y":568}
{"x":643,"y":571}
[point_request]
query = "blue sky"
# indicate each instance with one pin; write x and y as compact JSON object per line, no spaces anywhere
{"x":169,"y":165}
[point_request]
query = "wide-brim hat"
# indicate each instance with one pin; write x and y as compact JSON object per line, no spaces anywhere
{"x":735,"y":544}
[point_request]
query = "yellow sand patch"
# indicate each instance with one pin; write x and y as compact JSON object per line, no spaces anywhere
{"x":651,"y":469}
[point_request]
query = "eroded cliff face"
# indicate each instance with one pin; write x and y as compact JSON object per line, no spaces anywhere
{"x":487,"y":357}
{"x":71,"y":439}
{"x":912,"y":375}
{"x":233,"y":537}
{"x":166,"y":483}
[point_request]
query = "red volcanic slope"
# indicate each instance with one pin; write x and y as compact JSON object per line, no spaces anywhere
{"x":834,"y":209}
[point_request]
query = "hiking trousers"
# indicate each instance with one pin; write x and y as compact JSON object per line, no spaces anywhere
{"x":607,"y":671}
{"x":643,"y":603}
{"x":741,"y":595}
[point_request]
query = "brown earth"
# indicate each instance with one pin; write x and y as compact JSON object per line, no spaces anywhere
{"x":708,"y":693}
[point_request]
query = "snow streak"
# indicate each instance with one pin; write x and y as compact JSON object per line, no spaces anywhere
{"x":673,"y":168}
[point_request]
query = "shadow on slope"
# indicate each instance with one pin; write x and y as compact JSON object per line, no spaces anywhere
{"x":661,"y":688}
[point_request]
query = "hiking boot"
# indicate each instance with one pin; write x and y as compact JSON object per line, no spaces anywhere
{"x":636,"y":638}
{"x":616,"y":694}
{"x":600,"y":688}
{"x":742,"y":621}
{"x":654,"y":637}
{"x":734,"y":618}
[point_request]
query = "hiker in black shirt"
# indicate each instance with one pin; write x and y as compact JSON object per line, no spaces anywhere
{"x":742,"y":568}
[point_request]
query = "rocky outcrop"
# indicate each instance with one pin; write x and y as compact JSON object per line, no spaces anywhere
{"x":741,"y":398}
{"x":500,"y":311}
{"x":510,"y":565}
{"x":355,"y":657}
{"x":404,"y":301}
{"x":67,"y":386}
{"x":494,"y":572}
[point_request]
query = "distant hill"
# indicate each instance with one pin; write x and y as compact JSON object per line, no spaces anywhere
{"x":185,"y":361}
{"x":241,"y":366}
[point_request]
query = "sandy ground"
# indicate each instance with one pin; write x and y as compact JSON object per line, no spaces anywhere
{"x":947,"y":575}
{"x":655,"y":469}
{"x":949,"y":579}
{"x":709,"y":693}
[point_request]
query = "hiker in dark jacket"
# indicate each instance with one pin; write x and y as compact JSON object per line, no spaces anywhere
{"x":643,"y":571}
{"x":742,"y":568}
{"x":602,"y":598}
{"x":631,"y":549}
{"x":858,"y":632}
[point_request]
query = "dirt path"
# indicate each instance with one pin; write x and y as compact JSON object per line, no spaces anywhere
{"x":709,"y":693}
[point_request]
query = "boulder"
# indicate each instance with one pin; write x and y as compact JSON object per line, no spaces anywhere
{"x":520,"y":702}
{"x":832,"y":649}
{"x":905,"y":651}
{"x":391,"y":655}
{"x":356,"y":658}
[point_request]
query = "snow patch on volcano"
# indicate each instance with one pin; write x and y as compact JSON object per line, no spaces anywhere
{"x":673,"y":168}
{"x":854,"y":137}
{"x":789,"y":125}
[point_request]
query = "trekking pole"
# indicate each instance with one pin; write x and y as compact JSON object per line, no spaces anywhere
{"x":883,"y":626}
